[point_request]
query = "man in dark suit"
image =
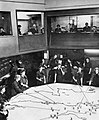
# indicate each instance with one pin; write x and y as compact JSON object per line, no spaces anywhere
{"x":58,"y":29}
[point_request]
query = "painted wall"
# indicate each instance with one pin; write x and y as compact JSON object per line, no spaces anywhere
{"x":30,"y":1}
{"x":68,"y":4}
{"x":9,"y":44}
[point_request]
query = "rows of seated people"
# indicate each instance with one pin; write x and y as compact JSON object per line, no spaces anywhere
{"x":61,"y":69}
{"x":73,"y":28}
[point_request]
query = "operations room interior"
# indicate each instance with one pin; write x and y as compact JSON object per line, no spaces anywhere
{"x":49,"y":60}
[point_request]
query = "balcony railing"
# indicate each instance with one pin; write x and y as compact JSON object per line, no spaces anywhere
{"x":32,"y":42}
{"x":74,"y":40}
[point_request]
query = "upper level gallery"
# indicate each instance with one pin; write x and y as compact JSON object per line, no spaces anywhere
{"x":10,"y":43}
{"x":44,"y":16}
{"x":75,"y":28}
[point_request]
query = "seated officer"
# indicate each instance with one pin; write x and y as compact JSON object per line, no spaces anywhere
{"x":19,"y":29}
{"x":2,"y":31}
{"x":16,"y":86}
{"x":23,"y":79}
{"x":58,"y":29}
{"x":33,"y":29}
{"x":86,"y":28}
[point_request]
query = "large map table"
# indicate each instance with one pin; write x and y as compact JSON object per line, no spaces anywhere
{"x":55,"y":102}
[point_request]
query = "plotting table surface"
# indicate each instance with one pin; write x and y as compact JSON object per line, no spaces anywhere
{"x":55,"y":101}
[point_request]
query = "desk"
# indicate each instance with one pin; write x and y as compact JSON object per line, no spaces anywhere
{"x":55,"y":101}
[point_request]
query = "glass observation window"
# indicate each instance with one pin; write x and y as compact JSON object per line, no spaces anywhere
{"x":5,"y":23}
{"x":30,"y":23}
{"x":79,"y":23}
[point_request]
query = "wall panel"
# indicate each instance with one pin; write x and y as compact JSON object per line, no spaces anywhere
{"x":26,"y":1}
{"x":68,"y":4}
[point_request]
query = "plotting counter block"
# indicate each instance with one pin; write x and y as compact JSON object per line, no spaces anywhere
{"x":55,"y":101}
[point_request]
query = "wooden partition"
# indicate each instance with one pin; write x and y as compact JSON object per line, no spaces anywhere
{"x":74,"y":40}
{"x":32,"y":42}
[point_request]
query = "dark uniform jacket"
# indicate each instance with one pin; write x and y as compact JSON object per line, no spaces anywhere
{"x":16,"y":88}
{"x":3,"y":116}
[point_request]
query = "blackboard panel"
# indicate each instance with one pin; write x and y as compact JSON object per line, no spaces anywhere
{"x":30,"y":62}
{"x":5,"y":66}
